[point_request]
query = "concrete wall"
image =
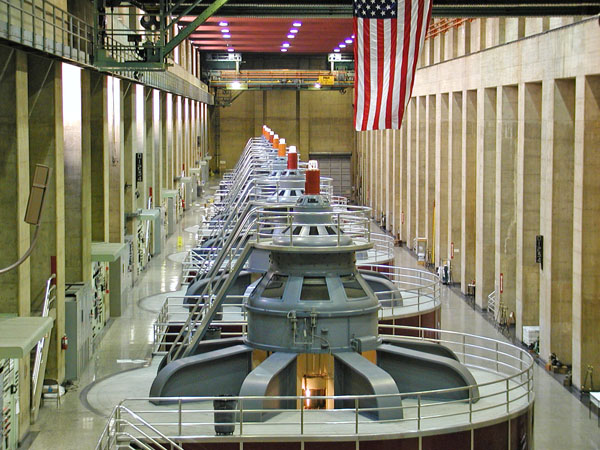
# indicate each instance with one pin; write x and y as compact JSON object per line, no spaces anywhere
{"x":313,"y":121}
{"x":508,"y":110}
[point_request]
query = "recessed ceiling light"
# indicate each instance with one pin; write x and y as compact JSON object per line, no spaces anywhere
{"x":293,"y":30}
{"x":224,"y":30}
{"x":226,"y":36}
{"x":337,"y":50}
{"x":223,"y":24}
{"x":297,"y":24}
{"x":284,"y":49}
{"x":230,"y":50}
{"x":348,"y":41}
{"x":342,"y":46}
{"x":291,"y":36}
{"x":285,"y":44}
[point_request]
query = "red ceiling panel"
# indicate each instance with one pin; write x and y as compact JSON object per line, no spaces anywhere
{"x":266,"y":35}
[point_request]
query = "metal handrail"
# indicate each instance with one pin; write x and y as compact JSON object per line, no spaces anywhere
{"x":511,"y":392}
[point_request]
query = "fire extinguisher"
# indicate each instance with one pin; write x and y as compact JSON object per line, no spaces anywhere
{"x":64,"y":342}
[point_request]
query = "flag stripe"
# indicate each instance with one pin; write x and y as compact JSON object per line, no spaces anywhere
{"x":392,"y":70}
{"x":366,"y":72}
{"x":380,"y":82}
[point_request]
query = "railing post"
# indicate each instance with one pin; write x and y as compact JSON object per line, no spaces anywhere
{"x":356,"y":415}
{"x":470,"y":406}
{"x":419,"y":412}
{"x":180,"y":413}
{"x":241,"y":416}
{"x":301,"y":416}
{"x":464,"y":348}
{"x":507,"y":397}
{"x":496,"y":357}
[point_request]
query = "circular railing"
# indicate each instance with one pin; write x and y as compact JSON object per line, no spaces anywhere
{"x":504,"y":382}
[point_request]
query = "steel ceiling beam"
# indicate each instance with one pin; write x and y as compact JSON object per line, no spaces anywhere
{"x":441,"y":8}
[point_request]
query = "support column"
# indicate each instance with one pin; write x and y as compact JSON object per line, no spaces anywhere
{"x":441,"y":179}
{"x":556,"y":218}
{"x":403,"y":180}
{"x":468,"y":189}
{"x":486,"y":185}
{"x":527,"y":290}
{"x":77,"y":152}
{"x":586,"y":233}
{"x":389,"y":185}
{"x":421,"y":182}
{"x":150,"y":156}
{"x":46,"y":147}
{"x":100,"y":155}
{"x":506,"y":220}
{"x":430,"y":206}
{"x":116,"y":183}
{"x":411,"y":157}
{"x":14,"y":192}
{"x":455,"y":116}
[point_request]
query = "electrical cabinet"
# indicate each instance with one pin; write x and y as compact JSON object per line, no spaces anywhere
{"x":9,"y":403}
{"x":80,"y":327}
{"x":100,"y":296}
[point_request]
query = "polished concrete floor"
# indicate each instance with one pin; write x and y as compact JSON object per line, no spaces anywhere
{"x":561,"y":421}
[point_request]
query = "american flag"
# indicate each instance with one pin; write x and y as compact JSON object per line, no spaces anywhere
{"x":388,"y":36}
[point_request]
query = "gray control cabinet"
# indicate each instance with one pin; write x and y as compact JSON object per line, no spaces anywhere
{"x":78,"y":328}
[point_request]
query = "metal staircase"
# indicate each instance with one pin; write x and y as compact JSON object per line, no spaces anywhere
{"x":220,"y":274}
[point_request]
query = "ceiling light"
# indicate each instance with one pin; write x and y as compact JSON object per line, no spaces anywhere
{"x":317,"y":86}
{"x":284,"y":49}
{"x":348,"y":41}
{"x":342,"y":46}
{"x":230,"y":50}
{"x":297,"y":24}
{"x":223,"y":24}
{"x":285,"y":44}
{"x":224,"y":30}
{"x":293,"y":30}
{"x":353,"y":37}
{"x":291,"y":36}
{"x":236,"y":85}
{"x":226,"y":36}
{"x":337,"y":50}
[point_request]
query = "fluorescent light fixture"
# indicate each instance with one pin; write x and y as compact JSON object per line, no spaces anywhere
{"x":226,"y":36}
{"x":284,"y":49}
{"x":291,"y":36}
{"x":297,"y":24}
{"x":337,"y":50}
{"x":317,"y":85}
{"x":223,"y":23}
{"x":285,"y":44}
{"x":342,"y":46}
{"x":353,"y":37}
{"x":236,"y":85}
{"x":230,"y":50}
{"x":224,"y":30}
{"x":348,"y":41}
{"x":293,"y":30}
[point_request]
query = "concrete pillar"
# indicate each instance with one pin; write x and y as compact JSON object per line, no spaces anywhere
{"x":77,"y":153}
{"x":468,"y":189}
{"x":396,"y":180}
{"x":586,"y":234}
{"x":486,"y":185}
{"x":100,"y":154}
{"x":157,"y":138}
{"x":116,"y":174}
{"x":371,"y":193}
{"x":46,"y":147}
{"x":14,"y":188}
{"x":505,"y":212}
{"x":390,"y":185}
{"x":556,"y":218}
{"x":430,"y":152}
{"x":455,"y":116}
{"x":420,"y":154}
{"x":441,"y":179}
{"x":166,"y":125}
{"x":411,"y":163}
{"x":402,"y":176}
{"x":150,"y":156}
{"x":527,"y":289}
